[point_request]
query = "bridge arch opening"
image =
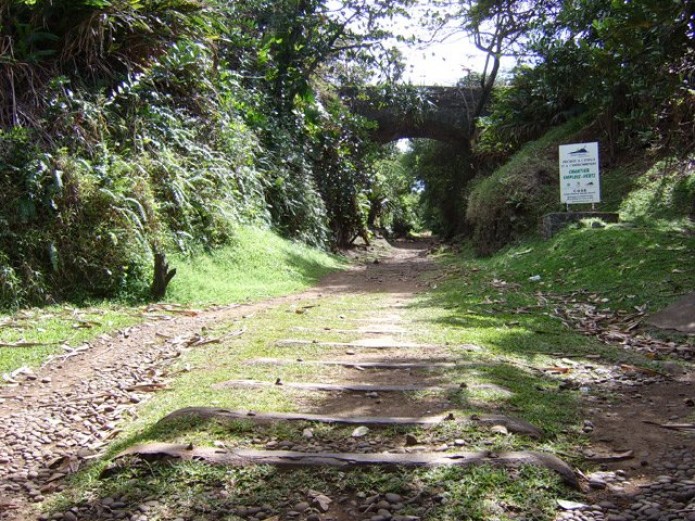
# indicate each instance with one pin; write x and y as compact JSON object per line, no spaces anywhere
{"x":444,"y":114}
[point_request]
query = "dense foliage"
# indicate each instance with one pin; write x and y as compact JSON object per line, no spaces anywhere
{"x":626,"y":68}
{"x":630,"y":64}
{"x":135,"y":127}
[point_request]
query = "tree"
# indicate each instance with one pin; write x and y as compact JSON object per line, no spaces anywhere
{"x":293,"y":58}
{"x":497,"y":27}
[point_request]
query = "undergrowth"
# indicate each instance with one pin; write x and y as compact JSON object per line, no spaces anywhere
{"x":506,"y":207}
{"x":257,"y":265}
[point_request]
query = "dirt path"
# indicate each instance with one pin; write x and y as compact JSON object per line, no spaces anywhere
{"x":70,"y":410}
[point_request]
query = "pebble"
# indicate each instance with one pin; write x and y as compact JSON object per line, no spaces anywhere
{"x":301,"y":507}
{"x":393,"y":498}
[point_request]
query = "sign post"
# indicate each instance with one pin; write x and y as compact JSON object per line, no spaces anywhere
{"x":579,"y":174}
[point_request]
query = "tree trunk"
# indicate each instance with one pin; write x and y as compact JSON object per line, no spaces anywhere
{"x":162,"y":276}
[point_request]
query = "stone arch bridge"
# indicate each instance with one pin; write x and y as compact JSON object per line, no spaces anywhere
{"x":439,"y":113}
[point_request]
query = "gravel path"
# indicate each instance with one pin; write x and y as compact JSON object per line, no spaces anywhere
{"x":67,"y":412}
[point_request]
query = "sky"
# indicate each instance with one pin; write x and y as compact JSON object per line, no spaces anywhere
{"x":442,"y":63}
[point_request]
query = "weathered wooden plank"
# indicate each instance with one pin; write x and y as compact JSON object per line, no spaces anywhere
{"x":514,"y":425}
{"x":360,"y":331}
{"x":226,"y":414}
{"x":316,"y":386}
{"x":355,"y":345}
{"x":245,"y":457}
{"x":364,"y":364}
{"x":373,"y":345}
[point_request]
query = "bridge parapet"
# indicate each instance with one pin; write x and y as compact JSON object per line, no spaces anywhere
{"x":441,"y":113}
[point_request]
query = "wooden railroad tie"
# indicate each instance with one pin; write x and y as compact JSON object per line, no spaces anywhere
{"x":361,"y":364}
{"x":514,"y":425}
{"x":373,"y":345}
{"x":245,"y":457}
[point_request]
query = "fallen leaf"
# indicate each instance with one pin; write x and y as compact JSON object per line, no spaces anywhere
{"x":147,"y":388}
{"x":559,"y":370}
{"x":30,"y":344}
{"x":569,"y":505}
{"x":520,"y":253}
{"x":607,"y":458}
{"x":673,"y":426}
{"x":360,"y":432}
{"x":323,"y":502}
{"x":644,"y":370}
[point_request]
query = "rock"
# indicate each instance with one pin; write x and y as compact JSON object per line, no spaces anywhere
{"x":323,"y":502}
{"x":371,"y":499}
{"x":570,"y":505}
{"x":301,"y":506}
{"x":393,"y":498}
{"x":410,"y":440}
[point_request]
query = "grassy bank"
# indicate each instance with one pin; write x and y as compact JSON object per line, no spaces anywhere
{"x":259,"y":264}
{"x":505,"y":207}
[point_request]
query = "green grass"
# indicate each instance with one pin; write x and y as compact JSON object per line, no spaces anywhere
{"x":663,"y":193}
{"x":258,"y":265}
{"x":53,"y":327}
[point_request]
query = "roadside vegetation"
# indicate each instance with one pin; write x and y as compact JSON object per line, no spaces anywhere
{"x":259,"y":264}
{"x":213,"y":133}
{"x":132,"y":129}
{"x":617,"y":73}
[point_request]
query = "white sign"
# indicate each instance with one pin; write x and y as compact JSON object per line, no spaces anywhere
{"x":579,"y":173}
